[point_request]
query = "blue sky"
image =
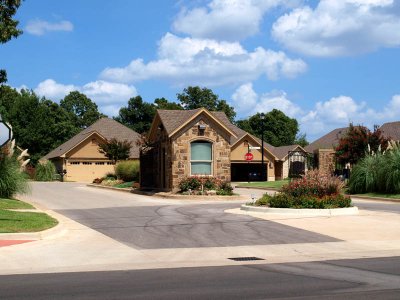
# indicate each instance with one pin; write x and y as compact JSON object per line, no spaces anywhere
{"x":325,"y":63}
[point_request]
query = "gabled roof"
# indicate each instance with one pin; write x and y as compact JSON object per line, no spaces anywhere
{"x":328,"y":141}
{"x":106,"y":128}
{"x":174,"y":120}
{"x":391,"y":130}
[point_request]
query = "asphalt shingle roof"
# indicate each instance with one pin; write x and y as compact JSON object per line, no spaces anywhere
{"x":106,"y":127}
{"x":391,"y":130}
{"x":328,"y":141}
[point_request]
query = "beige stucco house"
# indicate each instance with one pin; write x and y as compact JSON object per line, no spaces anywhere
{"x":80,"y":156}
{"x":182,"y":143}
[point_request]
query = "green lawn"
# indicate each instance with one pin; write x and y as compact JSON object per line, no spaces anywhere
{"x":264,"y":184}
{"x":14,"y":204}
{"x":378,"y":195}
{"x":12,"y":221}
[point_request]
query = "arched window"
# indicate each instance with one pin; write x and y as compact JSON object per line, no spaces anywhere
{"x":201,"y":158}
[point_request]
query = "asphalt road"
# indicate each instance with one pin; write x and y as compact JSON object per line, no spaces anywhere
{"x":349,"y":279}
{"x":188,"y":226}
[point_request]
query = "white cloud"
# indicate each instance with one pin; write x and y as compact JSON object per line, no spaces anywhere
{"x":109,"y":96}
{"x":230,"y":20}
{"x":338,"y":28}
{"x":325,"y":116}
{"x":247,"y":102}
{"x":184,"y":61}
{"x":244,"y":99}
{"x":40,"y":27}
{"x":54,"y":90}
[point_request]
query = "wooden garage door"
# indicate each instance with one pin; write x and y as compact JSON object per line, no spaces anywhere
{"x":86,"y":171}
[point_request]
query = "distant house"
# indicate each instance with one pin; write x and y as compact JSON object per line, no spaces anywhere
{"x":391,"y":130}
{"x":80,"y":156}
{"x":199,"y":142}
{"x":323,"y":149}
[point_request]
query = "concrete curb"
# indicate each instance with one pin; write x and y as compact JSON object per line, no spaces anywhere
{"x":367,"y":198}
{"x":348,"y":211}
{"x":126,"y":190}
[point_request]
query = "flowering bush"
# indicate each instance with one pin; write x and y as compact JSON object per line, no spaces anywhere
{"x":314,"y":183}
{"x":200,"y":184}
{"x":313,"y":190}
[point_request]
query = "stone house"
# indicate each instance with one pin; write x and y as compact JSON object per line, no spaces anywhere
{"x":323,"y":149}
{"x":182,"y":143}
{"x":80,"y":156}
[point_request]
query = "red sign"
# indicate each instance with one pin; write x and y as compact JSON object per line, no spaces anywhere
{"x":248,"y":156}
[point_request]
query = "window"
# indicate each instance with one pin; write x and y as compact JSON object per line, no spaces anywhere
{"x":99,"y":163}
{"x":86,"y":163}
{"x":75,"y":163}
{"x":201,"y":158}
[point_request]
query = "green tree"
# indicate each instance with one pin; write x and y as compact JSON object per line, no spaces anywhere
{"x":354,"y":145}
{"x":194,"y":97}
{"x":162,"y":103}
{"x":115,"y":150}
{"x":39,"y":125}
{"x":138,"y":115}
{"x":301,"y":139}
{"x":83,"y":110}
{"x":8,"y":26}
{"x":8,"y":97}
{"x":279,"y":129}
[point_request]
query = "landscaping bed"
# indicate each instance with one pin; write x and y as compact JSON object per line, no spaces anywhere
{"x":313,"y":191}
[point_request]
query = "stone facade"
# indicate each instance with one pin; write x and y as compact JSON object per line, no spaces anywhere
{"x":326,"y":160}
{"x":169,"y":157}
{"x":221,"y":149}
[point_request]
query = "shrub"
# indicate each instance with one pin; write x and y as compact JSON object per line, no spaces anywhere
{"x":377,"y":173}
{"x":110,"y":175}
{"x":190,"y":183}
{"x":45,"y":171}
{"x":198,"y":184}
{"x":313,"y":190}
{"x":263,"y":201}
{"x":225,"y":189}
{"x":281,"y":200}
{"x":12,"y":180}
{"x":127,"y":170}
{"x":314,"y":183}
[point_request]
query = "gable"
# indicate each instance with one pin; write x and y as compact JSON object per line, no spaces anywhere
{"x":88,"y":148}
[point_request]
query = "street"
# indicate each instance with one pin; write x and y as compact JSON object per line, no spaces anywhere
{"x":350,"y":279}
{"x":117,"y":245}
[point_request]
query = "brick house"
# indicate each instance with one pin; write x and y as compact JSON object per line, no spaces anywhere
{"x":80,"y":155}
{"x":182,"y":143}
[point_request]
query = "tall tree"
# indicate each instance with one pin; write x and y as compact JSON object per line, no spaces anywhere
{"x":194,"y":97}
{"x":162,"y":103}
{"x":138,"y":115}
{"x":8,"y":26}
{"x":39,"y":125}
{"x":279,"y":129}
{"x":83,"y":110}
{"x":301,"y":139}
{"x":355,"y":143}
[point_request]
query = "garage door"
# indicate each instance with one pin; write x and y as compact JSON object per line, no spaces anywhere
{"x":86,"y":171}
